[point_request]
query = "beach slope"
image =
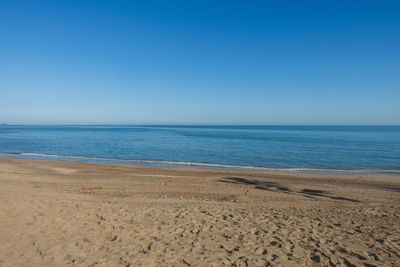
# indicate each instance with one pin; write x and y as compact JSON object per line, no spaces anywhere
{"x":55,"y":213}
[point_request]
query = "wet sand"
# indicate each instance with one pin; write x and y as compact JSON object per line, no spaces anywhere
{"x":55,"y":213}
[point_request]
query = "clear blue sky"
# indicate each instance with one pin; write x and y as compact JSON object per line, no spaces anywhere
{"x":257,"y":62}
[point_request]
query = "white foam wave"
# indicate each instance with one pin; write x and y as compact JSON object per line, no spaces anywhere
{"x":201,"y":164}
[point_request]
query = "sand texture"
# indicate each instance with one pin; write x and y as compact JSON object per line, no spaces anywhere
{"x":55,"y":213}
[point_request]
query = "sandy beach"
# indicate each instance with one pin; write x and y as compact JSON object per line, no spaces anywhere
{"x":55,"y":213}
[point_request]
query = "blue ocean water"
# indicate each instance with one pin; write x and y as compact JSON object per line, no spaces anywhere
{"x":319,"y":148}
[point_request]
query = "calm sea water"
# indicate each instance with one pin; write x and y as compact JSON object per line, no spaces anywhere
{"x":312,"y":148}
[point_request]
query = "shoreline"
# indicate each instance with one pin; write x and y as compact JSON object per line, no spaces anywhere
{"x":59,"y":212}
{"x":330,"y":178}
{"x":202,"y":165}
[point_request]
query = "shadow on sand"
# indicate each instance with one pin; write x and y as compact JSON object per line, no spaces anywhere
{"x":272,"y":186}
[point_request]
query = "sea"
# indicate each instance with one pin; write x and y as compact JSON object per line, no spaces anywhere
{"x":347,"y":149}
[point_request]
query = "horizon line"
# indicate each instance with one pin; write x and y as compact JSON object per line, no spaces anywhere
{"x":186,"y":124}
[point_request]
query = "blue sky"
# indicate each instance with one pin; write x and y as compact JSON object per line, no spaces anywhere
{"x":252,"y":62}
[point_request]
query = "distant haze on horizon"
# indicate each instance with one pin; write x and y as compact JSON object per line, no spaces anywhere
{"x":200,"y":62}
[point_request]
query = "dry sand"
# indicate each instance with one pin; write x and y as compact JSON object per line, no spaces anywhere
{"x":55,"y":213}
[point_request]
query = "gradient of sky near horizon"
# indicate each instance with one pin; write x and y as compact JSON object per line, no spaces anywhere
{"x":231,"y":62}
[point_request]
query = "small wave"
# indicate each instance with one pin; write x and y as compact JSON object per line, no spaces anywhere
{"x":186,"y":163}
{"x":195,"y":164}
